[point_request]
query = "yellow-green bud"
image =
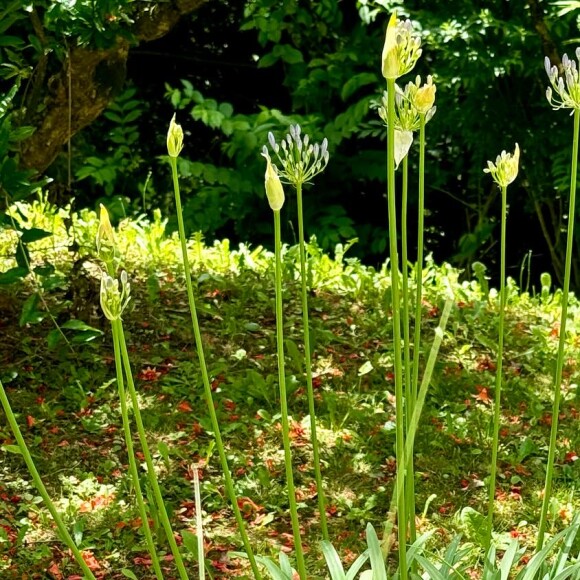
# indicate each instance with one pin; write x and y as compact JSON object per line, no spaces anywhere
{"x":401,"y":49}
{"x":505,"y":169}
{"x":390,"y":57}
{"x":174,"y":138}
{"x":105,"y":233}
{"x":425,"y":97}
{"x":274,"y":189}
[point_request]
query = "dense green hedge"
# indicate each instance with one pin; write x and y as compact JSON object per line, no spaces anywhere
{"x":233,"y":73}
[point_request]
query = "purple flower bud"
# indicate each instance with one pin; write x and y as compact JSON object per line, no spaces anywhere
{"x":578,"y":53}
{"x":547,"y":65}
{"x":272,"y":140}
{"x":293,"y":131}
{"x":323,"y":149}
{"x":565,"y":61}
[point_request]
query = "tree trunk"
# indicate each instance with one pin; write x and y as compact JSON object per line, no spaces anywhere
{"x":76,"y":95}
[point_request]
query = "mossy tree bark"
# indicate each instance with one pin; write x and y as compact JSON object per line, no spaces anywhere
{"x":64,"y":103}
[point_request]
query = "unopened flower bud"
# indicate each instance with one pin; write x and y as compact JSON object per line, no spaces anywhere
{"x":105,"y":234}
{"x":274,"y":189}
{"x":425,"y":97}
{"x":390,"y":57}
{"x":174,"y":138}
{"x":401,"y":49}
{"x":506,"y":166}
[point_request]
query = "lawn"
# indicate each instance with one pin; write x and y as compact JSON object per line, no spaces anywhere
{"x":67,"y":405}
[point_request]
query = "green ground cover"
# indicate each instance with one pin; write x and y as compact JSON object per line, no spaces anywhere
{"x":67,"y":405}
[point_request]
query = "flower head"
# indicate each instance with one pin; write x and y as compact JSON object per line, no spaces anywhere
{"x":412,"y":105}
{"x":424,"y":97}
{"x":412,"y":102}
{"x":114,"y":300}
{"x":300,"y":159}
{"x":174,"y":138}
{"x":505,"y":169}
{"x":564,"y":92}
{"x":273,"y":185}
{"x":401,"y":50}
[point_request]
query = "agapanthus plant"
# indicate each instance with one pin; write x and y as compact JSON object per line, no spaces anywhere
{"x":564,"y":93}
{"x":300,"y":161}
{"x":174,"y":147}
{"x":400,"y":54}
{"x":503,"y":171}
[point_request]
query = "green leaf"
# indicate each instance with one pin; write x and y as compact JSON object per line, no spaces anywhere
{"x":30,"y":313}
{"x":268,"y":60}
{"x":14,"y":41}
{"x":133,"y":116}
{"x":13,"y":275}
{"x":76,"y":324}
{"x":332,"y":561}
{"x":475,"y":524}
{"x":113,"y":117}
{"x":375,"y":554}
{"x":190,"y":542}
{"x":288,"y":53}
{"x":356,"y":82}
{"x":33,"y":235}
{"x":12,"y":449}
{"x":127,"y":573}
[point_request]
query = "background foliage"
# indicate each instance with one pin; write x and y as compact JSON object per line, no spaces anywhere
{"x":235,"y":72}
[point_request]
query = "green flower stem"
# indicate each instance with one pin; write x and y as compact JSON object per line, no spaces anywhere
{"x":562,"y":338}
{"x":498,"y":375}
{"x":64,"y":535}
{"x":418,"y":408}
{"x":152,"y":478}
{"x":284,"y":402}
{"x":131,"y":454}
{"x":410,"y":481}
{"x":199,"y":524}
{"x":419,"y":264}
{"x":396,"y":305}
{"x":308,"y":364}
{"x":205,"y":378}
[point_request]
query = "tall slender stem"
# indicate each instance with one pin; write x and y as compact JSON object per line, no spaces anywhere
{"x":420,"y":258}
{"x":410,"y":481}
{"x":131,"y":453}
{"x":284,"y":402}
{"x":64,"y":535}
{"x":308,"y":364}
{"x":151,"y":477}
{"x":396,"y":305}
{"x":562,"y":338}
{"x":498,"y":375}
{"x":205,"y":378}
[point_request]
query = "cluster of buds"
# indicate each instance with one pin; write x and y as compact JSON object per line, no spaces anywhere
{"x":299,"y":159}
{"x":505,"y":168}
{"x":567,"y":86}
{"x":174,"y":138}
{"x":413,"y":105}
{"x":401,"y":50}
{"x":114,"y":300}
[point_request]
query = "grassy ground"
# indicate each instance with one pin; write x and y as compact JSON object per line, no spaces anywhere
{"x":66,"y":401}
